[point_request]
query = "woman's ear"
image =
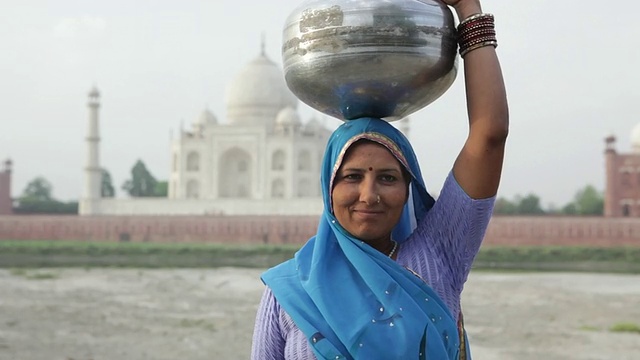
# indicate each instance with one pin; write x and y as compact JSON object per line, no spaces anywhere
{"x":406,"y":195}
{"x":406,"y":175}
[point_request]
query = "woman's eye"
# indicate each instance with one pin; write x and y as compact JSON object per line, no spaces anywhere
{"x":388,"y":178}
{"x":352,"y":177}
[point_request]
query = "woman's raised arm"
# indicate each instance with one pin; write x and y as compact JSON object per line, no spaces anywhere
{"x":479,"y":165}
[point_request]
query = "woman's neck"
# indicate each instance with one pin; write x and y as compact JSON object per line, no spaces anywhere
{"x":385,"y":246}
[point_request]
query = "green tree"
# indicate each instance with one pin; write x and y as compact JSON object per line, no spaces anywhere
{"x":39,"y":189}
{"x":162,"y":189}
{"x":106,"y":188}
{"x":504,"y":207}
{"x":37,"y":198}
{"x":31,"y":206}
{"x":589,"y":201}
{"x":570,"y":209}
{"x":142,"y":183}
{"x":529,"y":205}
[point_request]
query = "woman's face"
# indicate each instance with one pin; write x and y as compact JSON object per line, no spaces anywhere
{"x":369,"y":170}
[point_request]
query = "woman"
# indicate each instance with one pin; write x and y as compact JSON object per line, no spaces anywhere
{"x":382,"y":278}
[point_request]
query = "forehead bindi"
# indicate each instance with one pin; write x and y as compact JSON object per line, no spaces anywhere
{"x":370,"y":157}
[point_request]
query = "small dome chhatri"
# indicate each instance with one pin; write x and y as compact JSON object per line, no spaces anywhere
{"x":288,"y":117}
{"x":207,"y":118}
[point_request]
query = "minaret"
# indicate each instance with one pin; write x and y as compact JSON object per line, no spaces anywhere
{"x":611,"y":208}
{"x":6,"y":204}
{"x":405,"y":126}
{"x":92,"y":171}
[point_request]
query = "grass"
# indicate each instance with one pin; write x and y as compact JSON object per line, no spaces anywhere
{"x":42,"y":276}
{"x":558,"y":254}
{"x":96,"y":248}
{"x":33,"y":274}
{"x":626,"y":328}
{"x":18,"y":272}
{"x":559,"y":258}
{"x":38,"y":254}
{"x":589,"y":328}
{"x":34,"y":254}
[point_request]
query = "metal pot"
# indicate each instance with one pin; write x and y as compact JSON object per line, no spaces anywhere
{"x":369,"y":58}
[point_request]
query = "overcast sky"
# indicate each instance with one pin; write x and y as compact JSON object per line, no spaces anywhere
{"x":571,"y":69}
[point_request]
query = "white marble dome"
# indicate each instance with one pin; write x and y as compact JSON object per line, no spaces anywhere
{"x":206,"y":118}
{"x":288,"y":117}
{"x":257,"y":93}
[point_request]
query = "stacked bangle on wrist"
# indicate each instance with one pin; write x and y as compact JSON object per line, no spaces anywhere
{"x":475,"y":32}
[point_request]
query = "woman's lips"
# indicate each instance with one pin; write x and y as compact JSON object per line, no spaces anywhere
{"x":365,"y":213}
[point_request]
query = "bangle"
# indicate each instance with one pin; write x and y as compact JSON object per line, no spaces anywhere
{"x":478,"y":46}
{"x":476,"y":31}
{"x":475,"y":17}
{"x":475,"y":27}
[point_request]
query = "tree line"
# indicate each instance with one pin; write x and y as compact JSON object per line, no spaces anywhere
{"x":587,"y":201}
{"x":37,"y":197}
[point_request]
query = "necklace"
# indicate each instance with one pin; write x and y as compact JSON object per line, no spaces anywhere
{"x":393,"y":250}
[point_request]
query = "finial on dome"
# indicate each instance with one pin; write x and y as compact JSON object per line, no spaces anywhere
{"x":262,"y":45}
{"x":94,"y":97}
{"x":94,"y":92}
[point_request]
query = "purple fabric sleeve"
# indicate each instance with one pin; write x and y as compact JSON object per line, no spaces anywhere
{"x":268,"y":342}
{"x":446,"y":241}
{"x":441,"y":250}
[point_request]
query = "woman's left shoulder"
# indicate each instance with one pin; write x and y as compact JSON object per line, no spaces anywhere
{"x":452,"y":193}
{"x":454,"y":208}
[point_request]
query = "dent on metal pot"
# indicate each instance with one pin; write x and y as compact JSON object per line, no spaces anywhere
{"x":369,"y":58}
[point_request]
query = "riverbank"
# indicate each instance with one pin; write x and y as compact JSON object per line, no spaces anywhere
{"x":85,"y":254}
{"x":108,"y":313}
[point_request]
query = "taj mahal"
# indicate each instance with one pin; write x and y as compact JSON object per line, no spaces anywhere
{"x":262,"y":161}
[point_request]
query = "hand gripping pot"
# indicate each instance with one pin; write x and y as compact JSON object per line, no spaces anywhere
{"x":370,"y":58}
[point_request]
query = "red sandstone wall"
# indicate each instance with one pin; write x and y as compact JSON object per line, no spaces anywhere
{"x":6,"y":205}
{"x":228,"y":229}
{"x":503,"y":230}
{"x":565,"y":231}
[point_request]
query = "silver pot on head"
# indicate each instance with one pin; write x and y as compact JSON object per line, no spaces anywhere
{"x":369,"y":58}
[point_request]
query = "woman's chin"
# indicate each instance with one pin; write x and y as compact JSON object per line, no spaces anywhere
{"x":370,"y":235}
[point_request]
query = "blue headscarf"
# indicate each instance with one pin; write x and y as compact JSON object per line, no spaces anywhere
{"x":350,"y":300}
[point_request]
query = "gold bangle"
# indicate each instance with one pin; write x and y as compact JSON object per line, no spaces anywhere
{"x":475,"y":17}
{"x":478,"y":46}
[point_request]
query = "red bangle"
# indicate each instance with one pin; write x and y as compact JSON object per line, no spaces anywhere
{"x":468,"y":29}
{"x":476,"y":31}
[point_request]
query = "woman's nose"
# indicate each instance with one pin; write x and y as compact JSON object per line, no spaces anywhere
{"x":368,"y":192}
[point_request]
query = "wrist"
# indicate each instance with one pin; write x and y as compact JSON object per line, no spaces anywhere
{"x":464,"y":9}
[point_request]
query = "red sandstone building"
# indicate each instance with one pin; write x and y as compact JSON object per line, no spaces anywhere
{"x":6,"y":204}
{"x":622,"y":193}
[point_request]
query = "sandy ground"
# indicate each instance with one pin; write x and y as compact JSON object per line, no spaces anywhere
{"x":78,"y":314}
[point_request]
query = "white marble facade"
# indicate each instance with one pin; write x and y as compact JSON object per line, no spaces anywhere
{"x":263,"y":160}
